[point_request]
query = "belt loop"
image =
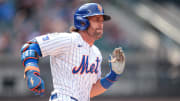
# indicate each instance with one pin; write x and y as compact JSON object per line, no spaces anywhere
{"x":74,"y":98}
{"x":53,"y":96}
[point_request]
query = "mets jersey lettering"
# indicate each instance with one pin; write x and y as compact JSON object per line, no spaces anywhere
{"x":83,"y":67}
{"x":75,"y":66}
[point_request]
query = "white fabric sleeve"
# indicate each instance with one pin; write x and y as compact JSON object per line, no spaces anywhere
{"x":54,"y":44}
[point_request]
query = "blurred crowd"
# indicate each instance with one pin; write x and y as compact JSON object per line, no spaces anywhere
{"x":22,"y":20}
{"x":153,"y":66}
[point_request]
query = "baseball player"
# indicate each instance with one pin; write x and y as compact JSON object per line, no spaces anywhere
{"x":75,"y":60}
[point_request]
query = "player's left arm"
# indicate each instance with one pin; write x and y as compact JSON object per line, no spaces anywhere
{"x":117,"y":64}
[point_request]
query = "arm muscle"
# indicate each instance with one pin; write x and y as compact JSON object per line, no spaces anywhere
{"x":97,"y":89}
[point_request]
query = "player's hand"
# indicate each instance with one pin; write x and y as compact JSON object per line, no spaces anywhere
{"x":34,"y":82}
{"x":117,"y":60}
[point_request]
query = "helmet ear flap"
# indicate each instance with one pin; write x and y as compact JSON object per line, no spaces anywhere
{"x":81,"y":23}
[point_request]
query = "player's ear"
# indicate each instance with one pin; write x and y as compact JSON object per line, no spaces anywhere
{"x":82,"y":23}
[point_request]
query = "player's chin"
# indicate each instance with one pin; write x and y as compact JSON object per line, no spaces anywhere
{"x":99,"y":36}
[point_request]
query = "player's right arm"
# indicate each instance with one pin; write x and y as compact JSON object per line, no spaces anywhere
{"x":30,"y":53}
{"x":50,"y":44}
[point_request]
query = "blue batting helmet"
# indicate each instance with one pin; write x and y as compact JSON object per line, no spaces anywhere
{"x":89,"y":9}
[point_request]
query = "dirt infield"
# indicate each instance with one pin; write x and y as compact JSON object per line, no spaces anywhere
{"x":95,"y":99}
{"x":139,"y":99}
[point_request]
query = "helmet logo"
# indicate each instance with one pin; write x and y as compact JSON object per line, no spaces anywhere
{"x":100,"y":8}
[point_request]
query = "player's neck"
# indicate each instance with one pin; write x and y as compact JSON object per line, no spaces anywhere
{"x":87,"y":38}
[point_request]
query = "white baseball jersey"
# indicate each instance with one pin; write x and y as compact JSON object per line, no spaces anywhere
{"x":75,"y":65}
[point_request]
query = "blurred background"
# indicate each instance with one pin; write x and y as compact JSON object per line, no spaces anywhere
{"x":148,"y":31}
